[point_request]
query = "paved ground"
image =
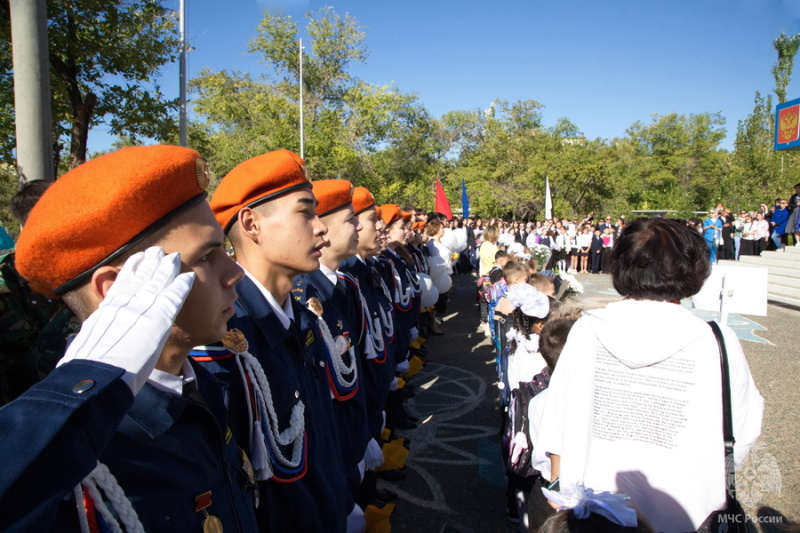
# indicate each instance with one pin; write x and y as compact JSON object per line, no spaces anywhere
{"x":455,"y":480}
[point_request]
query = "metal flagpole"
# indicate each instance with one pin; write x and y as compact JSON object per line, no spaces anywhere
{"x":302,"y":140}
{"x":182,"y":105}
{"x":34,"y":122}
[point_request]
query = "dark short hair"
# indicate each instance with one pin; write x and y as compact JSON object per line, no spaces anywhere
{"x":659,"y":259}
{"x":566,"y":522}
{"x":553,"y":338}
{"x":26,"y":198}
{"x":500,"y":254}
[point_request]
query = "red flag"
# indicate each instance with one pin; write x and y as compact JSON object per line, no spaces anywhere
{"x":441,"y":204}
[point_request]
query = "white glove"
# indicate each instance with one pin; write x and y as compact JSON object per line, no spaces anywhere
{"x":413,"y":333}
{"x":356,"y":523}
{"x":393,"y":386}
{"x":373,"y":456}
{"x":362,"y":469}
{"x":402,"y":368}
{"x":132,"y":324}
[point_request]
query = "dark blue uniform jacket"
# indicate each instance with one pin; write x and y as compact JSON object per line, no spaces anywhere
{"x":314,"y":496}
{"x":349,"y":405}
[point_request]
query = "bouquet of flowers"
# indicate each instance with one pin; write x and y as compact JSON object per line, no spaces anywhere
{"x":541,"y":253}
{"x":574,"y":286}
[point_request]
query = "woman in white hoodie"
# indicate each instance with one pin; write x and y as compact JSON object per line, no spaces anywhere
{"x":635,"y":404}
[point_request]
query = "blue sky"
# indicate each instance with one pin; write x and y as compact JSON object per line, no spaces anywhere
{"x":603,"y":64}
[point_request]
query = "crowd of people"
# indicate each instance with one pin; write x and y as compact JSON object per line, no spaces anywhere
{"x":613,"y":398}
{"x":157,"y":379}
{"x":730,"y":235}
{"x":573,"y":246}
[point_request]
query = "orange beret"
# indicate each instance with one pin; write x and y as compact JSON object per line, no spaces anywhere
{"x":332,"y":195}
{"x":101,"y":209}
{"x":406,"y":215}
{"x":256,"y":181}
{"x":390,"y":214}
{"x":418,"y":226}
{"x":362,"y":199}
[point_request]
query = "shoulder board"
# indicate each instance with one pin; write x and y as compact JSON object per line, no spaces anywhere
{"x":299,"y":290}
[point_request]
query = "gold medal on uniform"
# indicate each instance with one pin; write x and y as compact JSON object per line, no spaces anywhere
{"x":315,"y":305}
{"x":234,"y":341}
{"x":211,"y":524}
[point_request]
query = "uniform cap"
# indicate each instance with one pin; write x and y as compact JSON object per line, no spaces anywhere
{"x":103,"y":208}
{"x":256,"y":181}
{"x":390,"y":213}
{"x":406,"y":215}
{"x":362,"y":199}
{"x":332,"y":195}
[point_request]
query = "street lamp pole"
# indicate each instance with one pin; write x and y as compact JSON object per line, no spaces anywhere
{"x":302,"y":138}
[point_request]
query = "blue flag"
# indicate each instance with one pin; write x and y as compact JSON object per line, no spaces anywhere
{"x":464,"y":200}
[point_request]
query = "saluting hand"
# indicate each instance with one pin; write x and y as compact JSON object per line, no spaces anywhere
{"x":132,"y":324}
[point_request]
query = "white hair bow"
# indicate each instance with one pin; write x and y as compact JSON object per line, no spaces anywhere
{"x":583,"y":502}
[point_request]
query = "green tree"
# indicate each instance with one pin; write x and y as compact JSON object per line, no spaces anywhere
{"x":336,"y":42}
{"x":104,"y":58}
{"x":375,"y":136}
{"x":497,"y":167}
{"x":238,"y":118}
{"x":755,"y":165}
{"x":786,"y":46}
{"x":9,"y":184}
{"x":678,"y":161}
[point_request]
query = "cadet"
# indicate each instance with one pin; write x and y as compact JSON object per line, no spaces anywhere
{"x":405,"y":290}
{"x":339,"y":302}
{"x":379,"y":369}
{"x":279,"y":368}
{"x":171,"y":453}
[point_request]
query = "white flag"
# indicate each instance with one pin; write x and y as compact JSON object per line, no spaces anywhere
{"x":548,"y":200}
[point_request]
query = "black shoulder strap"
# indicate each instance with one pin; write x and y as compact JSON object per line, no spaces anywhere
{"x":727,"y":418}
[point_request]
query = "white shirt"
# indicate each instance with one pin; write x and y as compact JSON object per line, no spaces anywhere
{"x":170,"y":382}
{"x":330,"y":274}
{"x":540,"y":460}
{"x":284,"y":312}
{"x":437,"y":248}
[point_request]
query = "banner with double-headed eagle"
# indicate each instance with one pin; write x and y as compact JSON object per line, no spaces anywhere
{"x":787,"y":125}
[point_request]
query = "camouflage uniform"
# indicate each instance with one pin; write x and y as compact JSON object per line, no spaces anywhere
{"x":33,"y":332}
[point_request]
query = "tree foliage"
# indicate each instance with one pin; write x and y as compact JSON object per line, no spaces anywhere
{"x":786,"y":46}
{"x":353,"y":129}
{"x":104,"y":60}
{"x":382,"y":138}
